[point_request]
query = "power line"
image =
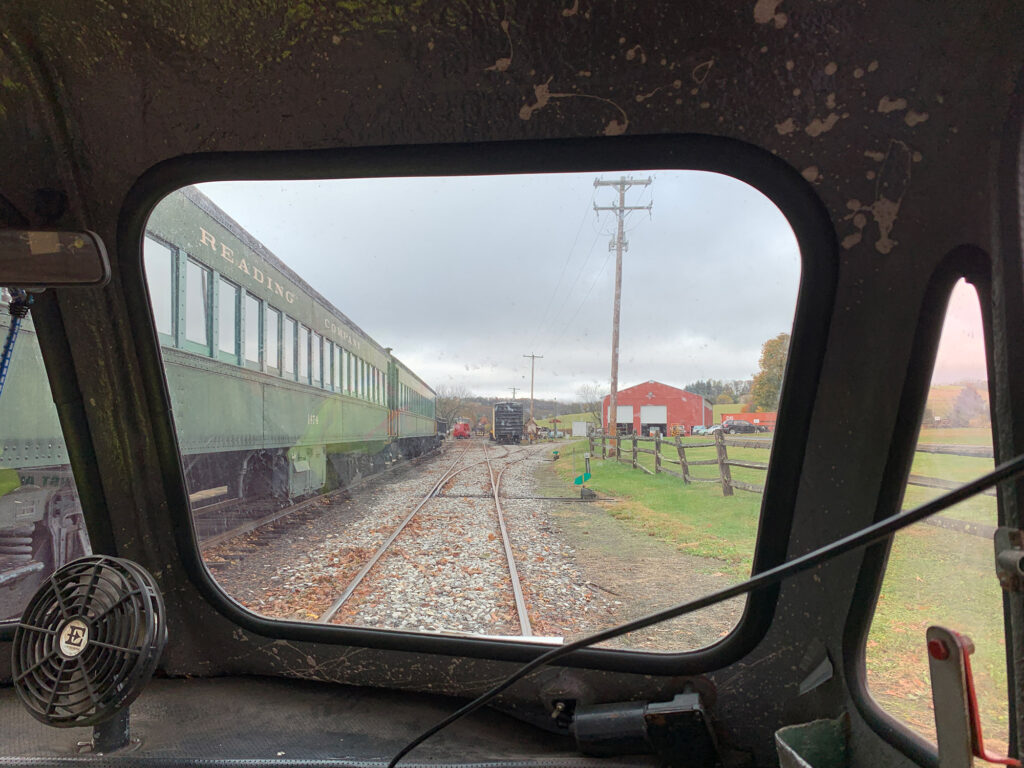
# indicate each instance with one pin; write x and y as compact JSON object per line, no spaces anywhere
{"x":593,"y":283}
{"x":565,"y":265}
{"x":579,"y":272}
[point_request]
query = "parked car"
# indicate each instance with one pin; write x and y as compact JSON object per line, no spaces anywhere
{"x":712,"y":429}
{"x":698,"y":429}
{"x":738,"y":426}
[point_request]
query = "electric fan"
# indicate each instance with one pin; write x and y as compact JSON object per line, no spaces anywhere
{"x":87,"y":644}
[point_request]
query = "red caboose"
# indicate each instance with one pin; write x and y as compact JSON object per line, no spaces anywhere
{"x":461,"y":431}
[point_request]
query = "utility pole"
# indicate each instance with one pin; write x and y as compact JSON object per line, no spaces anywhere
{"x":533,"y":360}
{"x":514,"y":390}
{"x":619,"y":244}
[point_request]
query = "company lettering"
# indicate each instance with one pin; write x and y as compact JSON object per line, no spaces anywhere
{"x":339,"y":332}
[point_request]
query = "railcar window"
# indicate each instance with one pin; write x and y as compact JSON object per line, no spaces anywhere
{"x":318,"y":360}
{"x":935,"y":565}
{"x":160,"y":269}
{"x":197,"y":304}
{"x":492,"y":292}
{"x":227,"y":318}
{"x":253,"y":307}
{"x":41,"y":522}
{"x":289,"y":347}
{"x":303,"y":354}
{"x":273,"y":347}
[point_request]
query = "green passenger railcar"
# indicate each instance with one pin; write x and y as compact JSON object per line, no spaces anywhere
{"x":295,"y":396}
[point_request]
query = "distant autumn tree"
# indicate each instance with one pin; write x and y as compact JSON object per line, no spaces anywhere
{"x":969,"y":405}
{"x":768,"y":381}
{"x":451,"y":400}
{"x":725,"y":399}
{"x":709,"y":388}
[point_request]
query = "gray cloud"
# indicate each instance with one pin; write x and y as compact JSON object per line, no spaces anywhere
{"x":463,"y":276}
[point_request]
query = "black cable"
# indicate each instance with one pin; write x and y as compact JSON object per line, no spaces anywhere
{"x":870,"y":535}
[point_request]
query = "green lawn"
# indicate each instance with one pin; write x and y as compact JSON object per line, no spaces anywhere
{"x":960,"y":469}
{"x":931,"y":570}
{"x":957,"y":436}
{"x":695,"y":517}
{"x":935,"y":576}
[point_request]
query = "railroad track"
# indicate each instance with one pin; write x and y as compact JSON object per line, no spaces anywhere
{"x":517,"y":587}
{"x":219,"y":523}
{"x":434,"y":493}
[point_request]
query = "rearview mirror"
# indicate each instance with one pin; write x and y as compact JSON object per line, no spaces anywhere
{"x":32,"y":258}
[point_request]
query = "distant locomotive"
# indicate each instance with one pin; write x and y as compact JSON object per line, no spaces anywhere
{"x":507,"y":424}
{"x":461,"y":431}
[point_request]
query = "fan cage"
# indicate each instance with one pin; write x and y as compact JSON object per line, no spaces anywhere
{"x":124,"y":614}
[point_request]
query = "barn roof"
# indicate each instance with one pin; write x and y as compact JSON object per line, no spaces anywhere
{"x":644,"y":386}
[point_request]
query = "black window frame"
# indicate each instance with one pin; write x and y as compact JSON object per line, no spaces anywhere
{"x":975,"y":267}
{"x":774,"y":178}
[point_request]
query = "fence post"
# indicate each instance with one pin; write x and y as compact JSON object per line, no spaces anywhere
{"x":657,"y":453}
{"x":723,"y":468}
{"x":634,"y":450}
{"x":590,"y":444}
{"x":604,"y":449}
{"x":682,"y":461}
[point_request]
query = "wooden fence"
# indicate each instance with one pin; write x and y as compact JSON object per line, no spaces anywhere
{"x":721,"y":460}
{"x":725,"y":464}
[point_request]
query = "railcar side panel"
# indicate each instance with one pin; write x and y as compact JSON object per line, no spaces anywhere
{"x":31,"y":427}
{"x":228,"y":416}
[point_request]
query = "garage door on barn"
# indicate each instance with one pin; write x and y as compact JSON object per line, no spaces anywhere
{"x":654,"y":417}
{"x":625,"y":418}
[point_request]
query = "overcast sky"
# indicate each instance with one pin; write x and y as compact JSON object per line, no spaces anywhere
{"x":462,"y":276}
{"x":961,"y":355}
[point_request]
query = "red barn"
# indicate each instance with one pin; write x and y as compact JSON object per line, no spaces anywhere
{"x":654,"y":405}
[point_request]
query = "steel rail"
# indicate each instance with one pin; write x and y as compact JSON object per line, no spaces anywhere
{"x":208,"y":542}
{"x":326,"y":616}
{"x":517,"y":587}
{"x":252,"y":525}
